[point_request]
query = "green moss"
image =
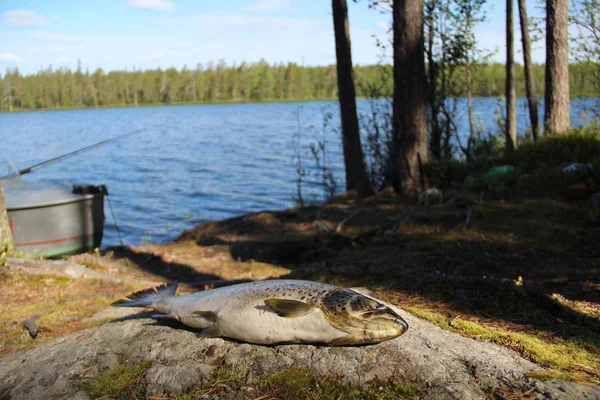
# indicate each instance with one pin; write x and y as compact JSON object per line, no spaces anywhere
{"x":559,"y":354}
{"x":224,"y":377}
{"x":435,"y":318}
{"x":298,"y":384}
{"x":291,"y":383}
{"x":123,"y":383}
{"x":550,"y":375}
{"x":232,"y":375}
{"x":332,"y":388}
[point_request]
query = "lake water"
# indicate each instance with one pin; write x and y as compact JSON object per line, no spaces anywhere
{"x":192,"y":163}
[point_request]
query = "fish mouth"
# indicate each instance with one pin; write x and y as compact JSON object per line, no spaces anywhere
{"x":402,"y":323}
{"x":389,"y":315}
{"x":398,"y":320}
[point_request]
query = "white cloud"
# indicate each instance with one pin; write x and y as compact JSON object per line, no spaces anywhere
{"x":54,"y":38}
{"x":269,"y":5}
{"x":23,"y":18}
{"x":7,"y":58}
{"x":152,"y":5}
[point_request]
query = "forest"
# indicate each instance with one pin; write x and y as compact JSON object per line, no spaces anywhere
{"x":218,"y":82}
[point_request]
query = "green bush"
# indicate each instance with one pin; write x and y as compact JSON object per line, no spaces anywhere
{"x":537,"y":166}
{"x":580,"y":145}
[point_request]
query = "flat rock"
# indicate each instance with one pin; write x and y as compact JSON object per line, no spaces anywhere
{"x":426,"y":355}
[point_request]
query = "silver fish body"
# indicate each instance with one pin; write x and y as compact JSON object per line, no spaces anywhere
{"x":278,"y":311}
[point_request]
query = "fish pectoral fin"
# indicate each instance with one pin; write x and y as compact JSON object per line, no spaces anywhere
{"x":209,"y":332}
{"x":207,"y":315}
{"x":288,"y":308}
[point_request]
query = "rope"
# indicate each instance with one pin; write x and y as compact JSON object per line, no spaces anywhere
{"x":112,"y":212}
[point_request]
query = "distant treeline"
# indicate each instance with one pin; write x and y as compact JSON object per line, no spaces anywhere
{"x":218,"y":82}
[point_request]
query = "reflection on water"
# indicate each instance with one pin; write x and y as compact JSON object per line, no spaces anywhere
{"x":194,"y":163}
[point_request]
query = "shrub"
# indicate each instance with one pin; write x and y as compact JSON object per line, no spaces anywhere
{"x":580,"y":145}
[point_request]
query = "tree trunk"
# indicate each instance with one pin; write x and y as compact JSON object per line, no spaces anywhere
{"x":511,"y":97}
{"x":556,"y":102}
{"x":5,"y":233}
{"x":409,"y":140}
{"x":356,"y":173}
{"x":529,"y":78}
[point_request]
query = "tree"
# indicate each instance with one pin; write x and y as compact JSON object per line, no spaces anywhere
{"x":511,"y":97}
{"x":529,"y":77}
{"x":585,"y":14}
{"x":356,"y":172}
{"x":556,"y":101}
{"x":410,"y":150}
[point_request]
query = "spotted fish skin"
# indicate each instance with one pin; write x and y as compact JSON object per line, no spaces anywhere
{"x":267,"y":312}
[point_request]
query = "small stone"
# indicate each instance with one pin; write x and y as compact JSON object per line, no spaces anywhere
{"x":211,"y":350}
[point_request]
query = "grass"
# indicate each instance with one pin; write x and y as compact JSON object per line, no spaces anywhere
{"x":56,"y":304}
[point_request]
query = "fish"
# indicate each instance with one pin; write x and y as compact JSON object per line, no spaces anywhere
{"x":276,"y":311}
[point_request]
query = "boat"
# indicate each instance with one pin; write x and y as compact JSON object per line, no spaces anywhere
{"x":53,"y":219}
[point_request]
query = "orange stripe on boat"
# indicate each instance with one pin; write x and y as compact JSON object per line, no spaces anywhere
{"x":56,"y":240}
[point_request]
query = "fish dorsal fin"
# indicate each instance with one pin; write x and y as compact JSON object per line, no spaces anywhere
{"x":288,"y":308}
{"x":207,"y":315}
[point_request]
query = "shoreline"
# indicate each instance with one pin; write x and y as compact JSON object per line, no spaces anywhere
{"x":117,"y":106}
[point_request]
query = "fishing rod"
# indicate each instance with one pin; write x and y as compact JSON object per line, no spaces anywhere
{"x":29,"y":169}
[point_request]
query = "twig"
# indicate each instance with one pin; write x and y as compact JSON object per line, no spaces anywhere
{"x":469,"y":212}
{"x":321,"y":226}
{"x":340,"y":226}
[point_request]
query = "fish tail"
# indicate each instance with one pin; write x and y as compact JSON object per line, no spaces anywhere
{"x":148,"y":297}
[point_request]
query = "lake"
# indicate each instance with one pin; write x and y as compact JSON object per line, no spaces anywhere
{"x":193,"y":163}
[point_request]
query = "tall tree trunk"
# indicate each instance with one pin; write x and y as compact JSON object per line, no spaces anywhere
{"x":556,"y":102}
{"x":529,"y":78}
{"x":5,"y":233}
{"x":356,"y":173}
{"x":409,"y":141}
{"x":511,"y":97}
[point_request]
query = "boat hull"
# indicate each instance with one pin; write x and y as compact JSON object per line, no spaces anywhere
{"x":68,"y":224}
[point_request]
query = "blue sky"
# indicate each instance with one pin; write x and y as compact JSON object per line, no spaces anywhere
{"x":127,"y":34}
